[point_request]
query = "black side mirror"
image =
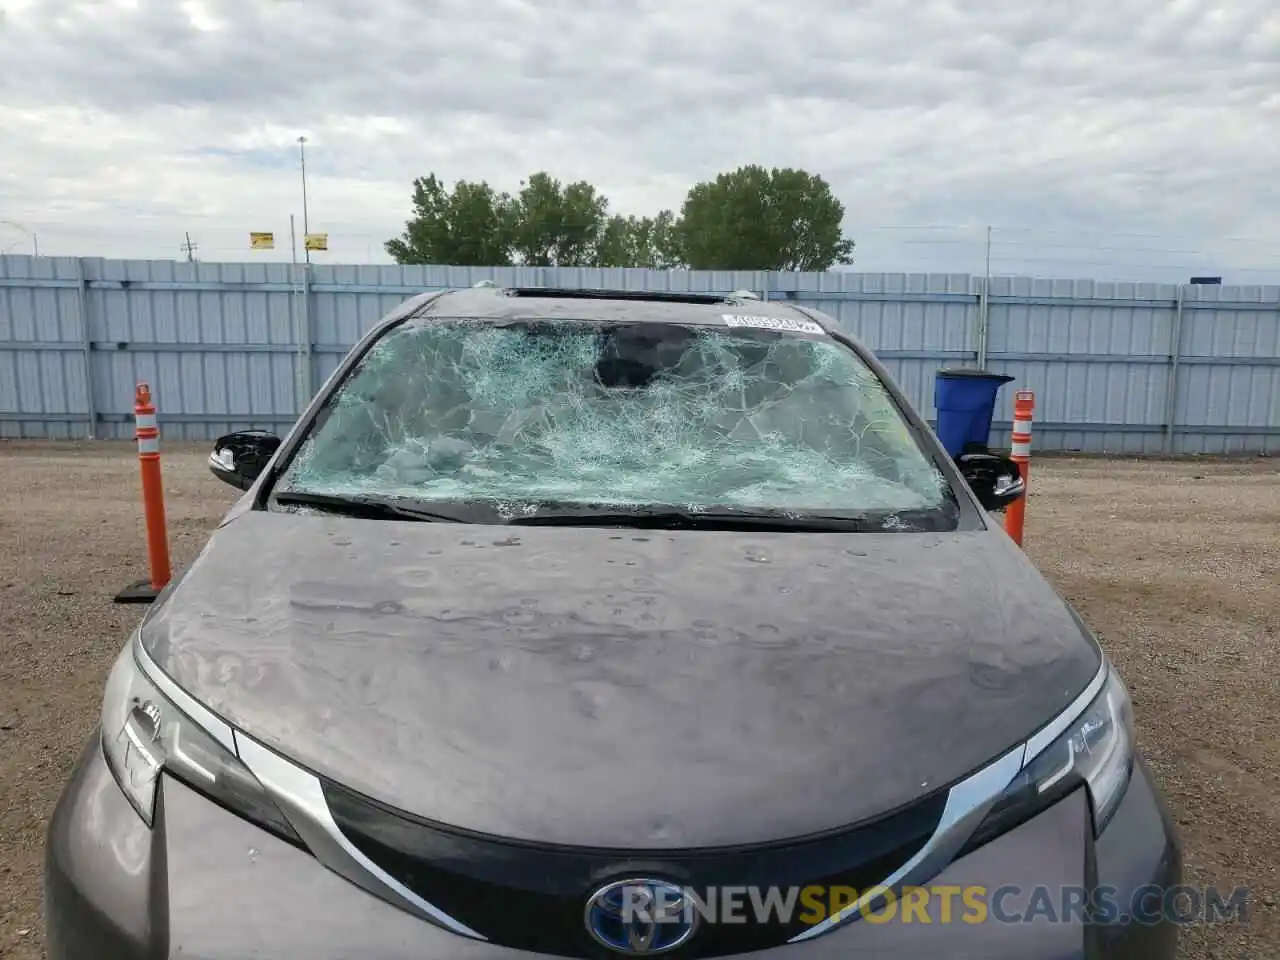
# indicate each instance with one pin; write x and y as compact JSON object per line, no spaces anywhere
{"x":995,"y":480}
{"x":238,"y":458}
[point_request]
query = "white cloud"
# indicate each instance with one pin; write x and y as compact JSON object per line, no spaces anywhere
{"x":201,"y":17}
{"x":126,"y":123}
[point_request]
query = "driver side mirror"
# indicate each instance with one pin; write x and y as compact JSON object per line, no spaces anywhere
{"x":239,"y":458}
{"x":995,"y":480}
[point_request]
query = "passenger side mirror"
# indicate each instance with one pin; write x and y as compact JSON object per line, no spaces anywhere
{"x":995,"y":480}
{"x":238,"y":458}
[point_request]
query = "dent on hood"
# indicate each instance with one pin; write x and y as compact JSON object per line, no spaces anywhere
{"x":466,"y":410}
{"x":491,"y":687}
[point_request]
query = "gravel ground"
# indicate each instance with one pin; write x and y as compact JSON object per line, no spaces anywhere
{"x":1176,"y":565}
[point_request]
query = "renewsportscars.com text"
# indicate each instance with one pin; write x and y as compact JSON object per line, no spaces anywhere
{"x":942,"y":904}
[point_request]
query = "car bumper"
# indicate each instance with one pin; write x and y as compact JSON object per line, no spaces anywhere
{"x":207,"y":885}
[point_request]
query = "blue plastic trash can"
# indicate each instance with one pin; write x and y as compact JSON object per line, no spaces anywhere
{"x":965,"y":400}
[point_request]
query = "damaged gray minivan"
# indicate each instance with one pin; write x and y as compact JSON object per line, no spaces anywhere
{"x":590,"y":623}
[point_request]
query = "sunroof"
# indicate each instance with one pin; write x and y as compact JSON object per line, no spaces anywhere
{"x":554,"y":293}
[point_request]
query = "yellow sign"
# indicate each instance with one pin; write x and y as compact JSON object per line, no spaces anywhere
{"x":262,"y":241}
{"x":317,"y":241}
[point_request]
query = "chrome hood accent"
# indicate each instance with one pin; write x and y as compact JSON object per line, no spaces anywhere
{"x":300,"y":796}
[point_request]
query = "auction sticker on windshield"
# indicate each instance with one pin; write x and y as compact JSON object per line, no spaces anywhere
{"x":772,"y":323}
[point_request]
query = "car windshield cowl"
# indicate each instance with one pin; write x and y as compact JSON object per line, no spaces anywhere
{"x":646,"y":516}
{"x":375,"y":508}
{"x":665,"y":517}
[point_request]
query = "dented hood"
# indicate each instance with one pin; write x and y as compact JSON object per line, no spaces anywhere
{"x":622,"y":688}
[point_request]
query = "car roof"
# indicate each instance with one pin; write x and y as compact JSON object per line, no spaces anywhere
{"x":691,"y":308}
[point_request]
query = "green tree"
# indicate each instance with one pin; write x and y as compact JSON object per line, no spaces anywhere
{"x":639,"y":242}
{"x":558,"y":226}
{"x":758,"y":219}
{"x":472,"y":225}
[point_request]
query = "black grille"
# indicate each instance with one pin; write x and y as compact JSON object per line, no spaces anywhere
{"x":534,"y":898}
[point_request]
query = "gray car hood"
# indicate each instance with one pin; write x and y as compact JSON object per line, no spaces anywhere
{"x":622,"y":688}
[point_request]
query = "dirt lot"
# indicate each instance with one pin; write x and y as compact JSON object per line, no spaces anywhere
{"x":1176,"y":565}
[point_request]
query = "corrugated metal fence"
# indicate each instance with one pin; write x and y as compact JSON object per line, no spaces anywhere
{"x":1116,"y":367}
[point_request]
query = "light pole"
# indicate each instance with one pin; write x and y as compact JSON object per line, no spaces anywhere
{"x":35,"y":241}
{"x":302,"y":155}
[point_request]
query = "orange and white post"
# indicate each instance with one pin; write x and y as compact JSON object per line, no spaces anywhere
{"x":1024,"y":403}
{"x":148,"y":434}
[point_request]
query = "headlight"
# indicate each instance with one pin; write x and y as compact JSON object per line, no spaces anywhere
{"x":143,"y":733}
{"x":1095,"y":751}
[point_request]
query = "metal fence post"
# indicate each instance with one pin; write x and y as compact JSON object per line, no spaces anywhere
{"x":984,"y":306}
{"x":86,"y":341}
{"x":308,"y":341}
{"x":1171,"y":390}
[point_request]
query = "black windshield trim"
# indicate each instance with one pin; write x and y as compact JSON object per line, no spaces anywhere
{"x":643,"y":516}
{"x":383,"y":508}
{"x":927,"y":520}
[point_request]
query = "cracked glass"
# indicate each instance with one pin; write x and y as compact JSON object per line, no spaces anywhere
{"x":519,"y":414}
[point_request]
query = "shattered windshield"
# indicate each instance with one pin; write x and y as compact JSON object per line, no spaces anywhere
{"x":630,"y":414}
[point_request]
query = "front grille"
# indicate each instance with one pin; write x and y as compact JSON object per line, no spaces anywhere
{"x":534,"y":898}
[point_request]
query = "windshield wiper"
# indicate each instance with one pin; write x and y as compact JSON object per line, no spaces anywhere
{"x":371,"y":508}
{"x":701,"y":520}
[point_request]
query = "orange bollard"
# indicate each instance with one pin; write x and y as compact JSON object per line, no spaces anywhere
{"x":148,"y":436}
{"x":1024,"y":402}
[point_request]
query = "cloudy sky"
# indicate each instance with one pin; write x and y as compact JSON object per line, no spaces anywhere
{"x":1107,"y":138}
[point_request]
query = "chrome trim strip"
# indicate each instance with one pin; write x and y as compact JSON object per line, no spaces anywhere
{"x":301,"y":799}
{"x":1056,"y":727}
{"x":205,"y":718}
{"x":967,"y":805}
